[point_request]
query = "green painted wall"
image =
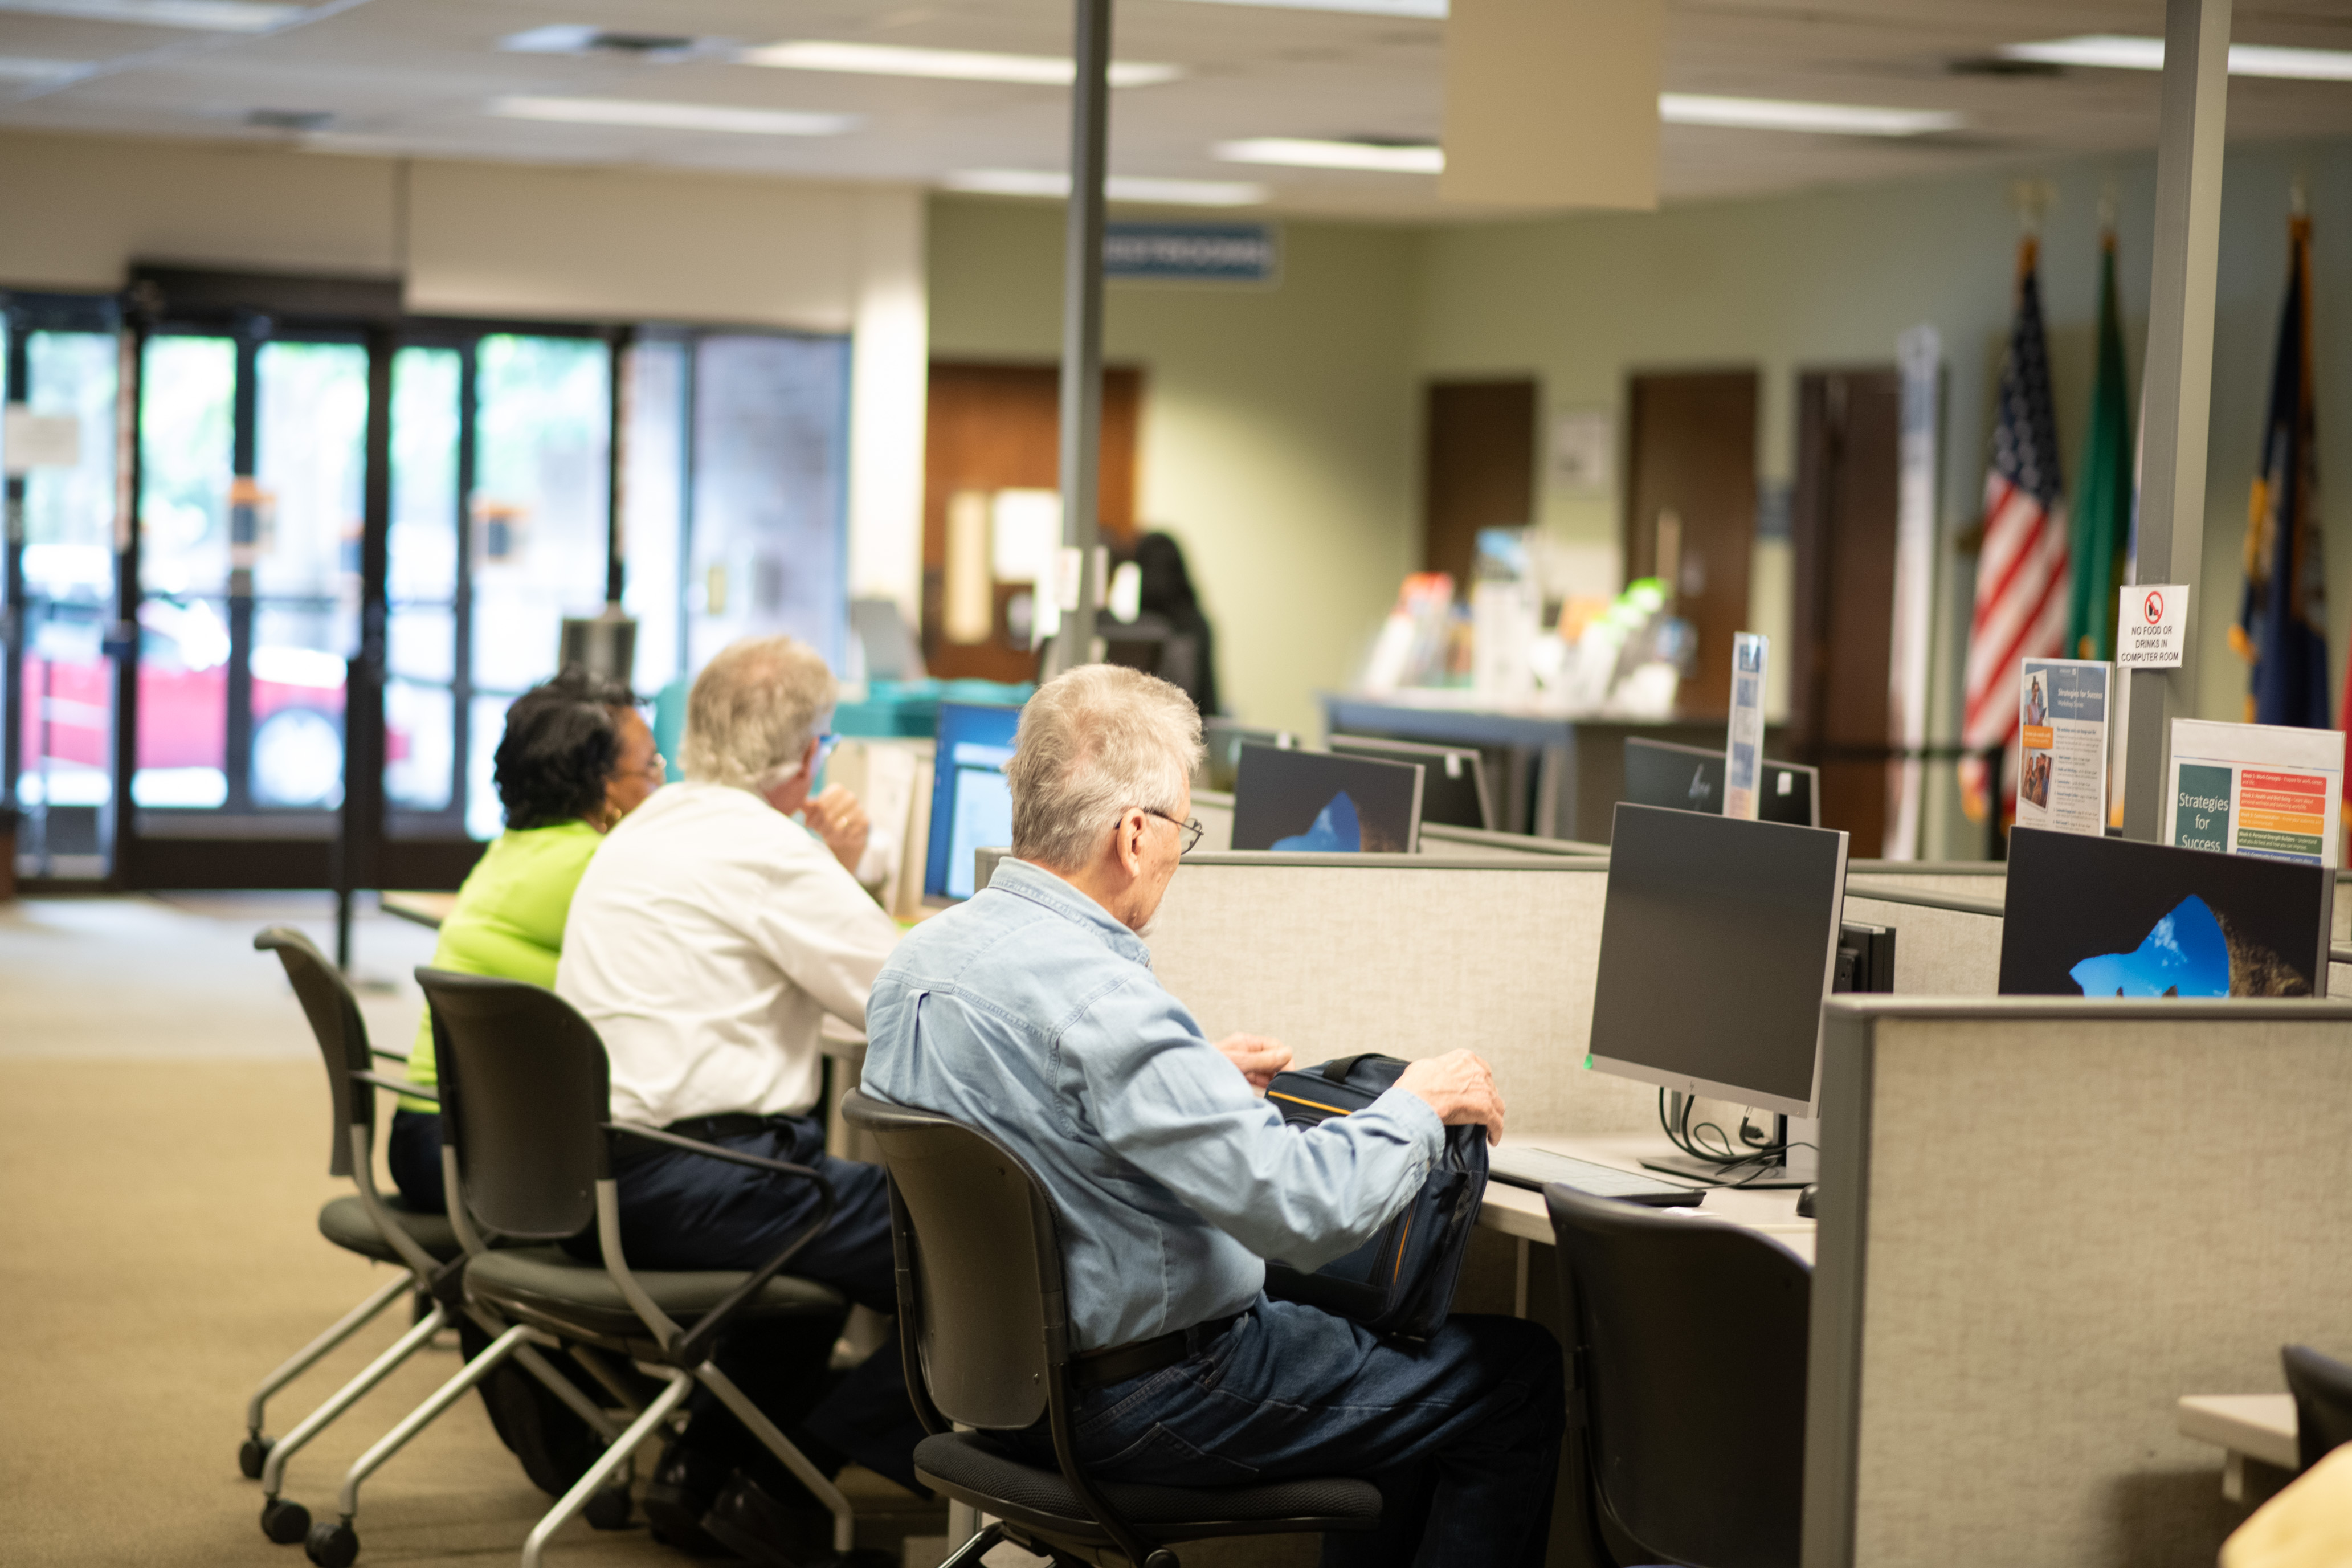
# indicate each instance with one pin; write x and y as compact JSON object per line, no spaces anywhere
{"x":1831,"y":278}
{"x":1278,"y":439}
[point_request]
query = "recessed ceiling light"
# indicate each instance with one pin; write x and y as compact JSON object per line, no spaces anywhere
{"x":1785,"y":114}
{"x":632,"y":111}
{"x":1117,"y":187}
{"x":1306,"y":153}
{"x":575,"y":38}
{"x":1434,"y":9}
{"x":295,"y":119}
{"x":2121,"y":52}
{"x":199,"y":16}
{"x":955,"y":65}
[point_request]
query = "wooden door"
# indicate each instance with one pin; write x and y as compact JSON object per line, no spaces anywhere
{"x":1478,"y":469}
{"x":1691,"y":485}
{"x":1849,"y":439}
{"x":996,"y":427}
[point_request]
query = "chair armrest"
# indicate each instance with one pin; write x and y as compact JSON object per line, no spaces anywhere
{"x":398,"y":1085}
{"x":697,"y":1343}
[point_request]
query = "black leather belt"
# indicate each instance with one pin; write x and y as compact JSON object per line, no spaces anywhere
{"x":1117,"y":1363}
{"x":702,"y":1129}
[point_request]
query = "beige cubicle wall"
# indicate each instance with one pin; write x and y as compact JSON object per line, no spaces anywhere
{"x":1415,"y":954}
{"x":1407,"y":955}
{"x":2041,"y":1222}
{"x":1986,"y":880}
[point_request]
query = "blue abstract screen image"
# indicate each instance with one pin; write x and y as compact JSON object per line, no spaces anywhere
{"x":1336,"y":829}
{"x":2184,"y":955}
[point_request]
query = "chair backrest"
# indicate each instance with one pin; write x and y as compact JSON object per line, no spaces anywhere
{"x":978,"y":1237}
{"x":1690,"y":1342}
{"x":524,"y":1093}
{"x":335,"y":1024}
{"x":2323,"y":1404}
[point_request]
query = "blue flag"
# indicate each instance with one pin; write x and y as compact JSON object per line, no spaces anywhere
{"x":2283,"y":617}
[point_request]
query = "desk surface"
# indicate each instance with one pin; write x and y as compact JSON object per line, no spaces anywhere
{"x":425,"y":908}
{"x":1519,"y":1211}
{"x":2259,"y":1426}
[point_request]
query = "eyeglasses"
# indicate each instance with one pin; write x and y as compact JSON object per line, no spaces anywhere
{"x":1190,"y":826}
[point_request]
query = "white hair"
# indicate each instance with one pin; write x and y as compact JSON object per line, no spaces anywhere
{"x":1093,"y":743}
{"x":753,"y":713}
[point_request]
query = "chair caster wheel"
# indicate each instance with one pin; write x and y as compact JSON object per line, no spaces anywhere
{"x":333,"y":1546}
{"x":254,"y":1453}
{"x":608,"y":1510}
{"x":285,"y":1522}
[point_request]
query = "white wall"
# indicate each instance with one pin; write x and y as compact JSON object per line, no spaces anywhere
{"x":527,"y":243}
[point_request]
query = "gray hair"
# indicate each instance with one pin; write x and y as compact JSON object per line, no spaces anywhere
{"x":753,"y":713}
{"x":1093,"y":743}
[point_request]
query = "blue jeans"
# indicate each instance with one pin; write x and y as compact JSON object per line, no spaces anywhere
{"x":1461,"y":1432}
{"x":689,"y":1211}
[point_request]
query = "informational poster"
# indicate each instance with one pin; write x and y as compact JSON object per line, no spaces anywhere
{"x":1744,"y":750}
{"x":2258,"y":789}
{"x":2062,"y":714}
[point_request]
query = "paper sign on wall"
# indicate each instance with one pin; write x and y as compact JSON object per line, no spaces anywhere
{"x":2151,"y":626}
{"x":2257,"y":789}
{"x":2062,"y":712}
{"x":1744,"y":750}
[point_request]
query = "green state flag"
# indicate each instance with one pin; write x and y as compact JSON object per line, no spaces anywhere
{"x":2102,"y":510}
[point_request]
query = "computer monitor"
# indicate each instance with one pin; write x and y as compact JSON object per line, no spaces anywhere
{"x":1321,"y":802}
{"x":971,"y":800}
{"x":1454,"y":790}
{"x":2090,"y":916}
{"x":1690,"y":778}
{"x":1718,"y":940}
{"x":1222,"y":741}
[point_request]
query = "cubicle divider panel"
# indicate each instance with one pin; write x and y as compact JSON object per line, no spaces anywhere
{"x":1478,"y":844}
{"x":1408,"y":955}
{"x":1961,"y":879}
{"x":2042,"y":1222}
{"x":1941,"y":949}
{"x":1213,"y":810}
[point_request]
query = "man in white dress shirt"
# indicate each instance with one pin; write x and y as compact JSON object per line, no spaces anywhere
{"x":709,"y":937}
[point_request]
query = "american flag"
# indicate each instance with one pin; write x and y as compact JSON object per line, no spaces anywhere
{"x":2020,"y":606}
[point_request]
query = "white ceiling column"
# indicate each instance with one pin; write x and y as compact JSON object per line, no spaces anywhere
{"x":888,"y":379}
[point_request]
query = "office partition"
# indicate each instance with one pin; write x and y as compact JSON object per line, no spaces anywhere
{"x":1408,"y":955}
{"x":2041,"y":1222}
{"x":1945,"y":944}
{"x":1961,"y":879}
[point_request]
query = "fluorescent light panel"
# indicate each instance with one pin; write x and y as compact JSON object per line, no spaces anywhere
{"x":18,"y":68}
{"x":1306,"y":152}
{"x":1117,"y":187}
{"x":639,"y":114}
{"x":2116,"y":51}
{"x":195,"y":15}
{"x":1784,"y":114}
{"x":1434,"y":10}
{"x":953,"y":65}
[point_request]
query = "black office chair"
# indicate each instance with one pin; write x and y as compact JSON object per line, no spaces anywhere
{"x":375,"y":1226}
{"x":527,"y":1156}
{"x":983,"y":1315}
{"x":368,"y":1222}
{"x":2323,"y":1404}
{"x":1667,"y":1311}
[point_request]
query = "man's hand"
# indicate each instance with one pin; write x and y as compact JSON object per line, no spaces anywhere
{"x":1460,"y":1088}
{"x":836,"y":818}
{"x":1258,"y":1057}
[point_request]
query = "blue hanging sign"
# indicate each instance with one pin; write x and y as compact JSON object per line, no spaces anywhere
{"x":1193,"y":252}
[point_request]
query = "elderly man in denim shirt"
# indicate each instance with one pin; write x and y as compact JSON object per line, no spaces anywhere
{"x":1032,"y":1012}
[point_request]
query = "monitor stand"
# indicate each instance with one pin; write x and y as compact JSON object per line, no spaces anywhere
{"x":1754,"y":1178}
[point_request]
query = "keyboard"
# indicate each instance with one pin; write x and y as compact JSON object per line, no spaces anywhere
{"x":1526,"y":1165}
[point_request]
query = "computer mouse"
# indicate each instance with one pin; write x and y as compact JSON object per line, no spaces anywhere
{"x":1805,"y":1203}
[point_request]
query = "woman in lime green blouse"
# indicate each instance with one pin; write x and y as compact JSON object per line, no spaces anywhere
{"x":576,"y":757}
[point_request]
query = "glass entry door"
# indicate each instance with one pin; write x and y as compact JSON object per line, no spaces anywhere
{"x":56,"y":667}
{"x":252,"y":465}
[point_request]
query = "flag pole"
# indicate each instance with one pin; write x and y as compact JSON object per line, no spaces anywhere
{"x":2179,"y":388}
